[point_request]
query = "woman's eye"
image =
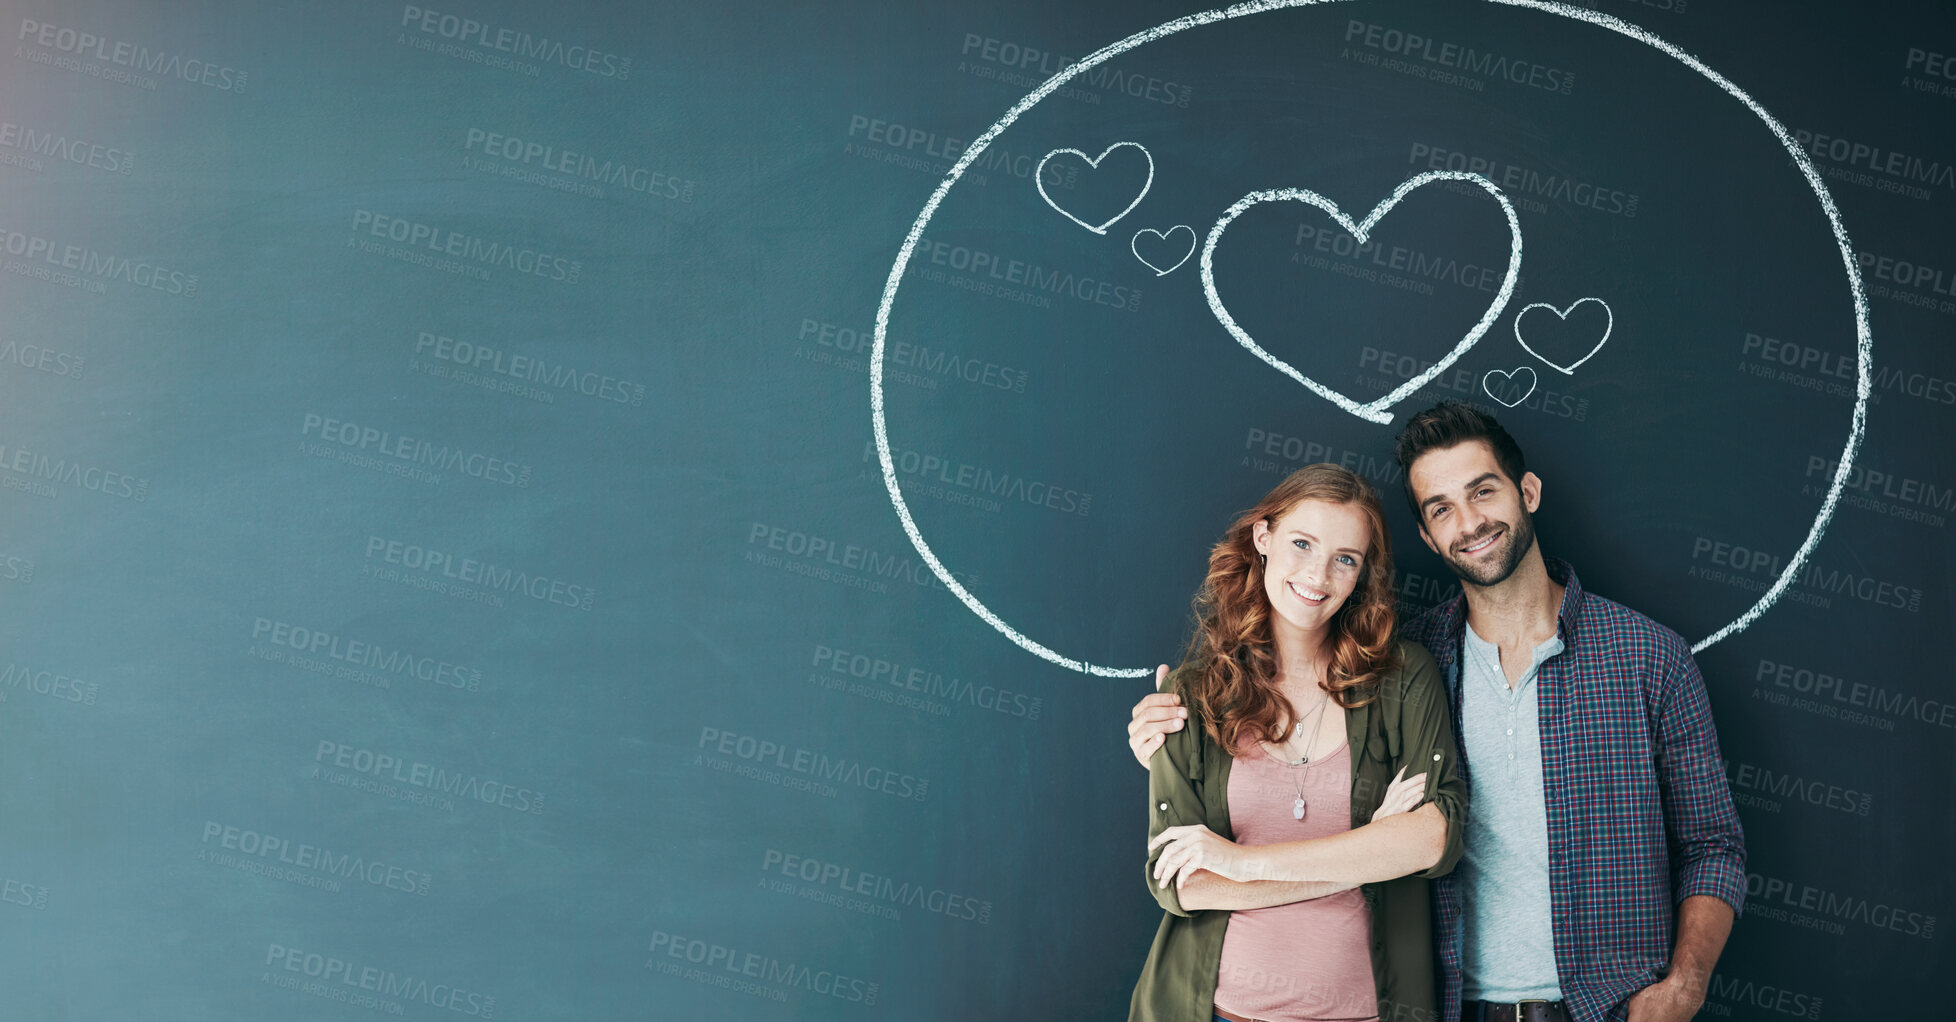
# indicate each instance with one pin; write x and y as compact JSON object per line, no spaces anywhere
{"x":1347,"y":561}
{"x":1301,"y":544}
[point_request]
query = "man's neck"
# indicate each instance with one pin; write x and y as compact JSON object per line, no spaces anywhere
{"x":1520,"y":611}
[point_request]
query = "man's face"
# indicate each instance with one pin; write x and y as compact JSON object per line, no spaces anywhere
{"x":1470,"y":512}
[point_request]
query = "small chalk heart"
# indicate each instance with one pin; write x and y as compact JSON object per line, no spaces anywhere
{"x":1510,"y":384}
{"x":1161,"y":245}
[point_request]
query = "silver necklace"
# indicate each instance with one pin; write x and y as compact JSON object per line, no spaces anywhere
{"x":1299,"y":807}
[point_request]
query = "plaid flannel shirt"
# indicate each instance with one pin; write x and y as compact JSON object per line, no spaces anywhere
{"x":1639,"y":813}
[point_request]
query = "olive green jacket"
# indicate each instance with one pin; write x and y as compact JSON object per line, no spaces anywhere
{"x":1188,"y":781}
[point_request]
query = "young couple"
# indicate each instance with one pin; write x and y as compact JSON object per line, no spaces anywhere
{"x":1306,"y":776}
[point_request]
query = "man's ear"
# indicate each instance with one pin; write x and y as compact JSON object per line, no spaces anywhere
{"x":1531,"y":491}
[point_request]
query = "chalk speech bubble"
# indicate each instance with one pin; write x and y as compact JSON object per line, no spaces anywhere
{"x":1863,"y":333}
{"x":1375,"y":410}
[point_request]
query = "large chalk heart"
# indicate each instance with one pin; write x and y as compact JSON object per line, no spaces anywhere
{"x":1375,"y":410}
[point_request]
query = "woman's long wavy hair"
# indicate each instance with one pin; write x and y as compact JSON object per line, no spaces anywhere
{"x":1232,"y":688}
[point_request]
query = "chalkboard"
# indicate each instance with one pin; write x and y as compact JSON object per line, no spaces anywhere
{"x":656,"y":511}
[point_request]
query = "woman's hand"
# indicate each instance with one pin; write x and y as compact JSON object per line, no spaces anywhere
{"x":1403,"y":795}
{"x":1193,"y":847}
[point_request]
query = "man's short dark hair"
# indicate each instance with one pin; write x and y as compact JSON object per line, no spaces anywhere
{"x":1445,"y":425}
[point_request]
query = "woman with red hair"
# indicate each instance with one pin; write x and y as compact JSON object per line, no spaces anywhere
{"x":1292,"y":833}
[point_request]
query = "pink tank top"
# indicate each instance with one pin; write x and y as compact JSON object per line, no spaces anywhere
{"x":1309,"y":960}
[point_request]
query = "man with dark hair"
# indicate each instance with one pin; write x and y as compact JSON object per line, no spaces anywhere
{"x":1604,"y":862}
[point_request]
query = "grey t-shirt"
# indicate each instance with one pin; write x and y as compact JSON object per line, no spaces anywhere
{"x":1509,"y":950}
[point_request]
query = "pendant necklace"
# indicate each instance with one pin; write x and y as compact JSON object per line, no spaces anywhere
{"x":1298,"y":807}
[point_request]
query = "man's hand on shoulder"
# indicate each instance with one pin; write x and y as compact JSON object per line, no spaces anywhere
{"x":1154,"y":717}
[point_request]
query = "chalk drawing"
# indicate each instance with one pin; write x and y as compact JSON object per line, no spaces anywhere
{"x":1134,"y":246}
{"x":1609,"y":323}
{"x":1039,"y":181}
{"x":1508,"y":384}
{"x":1864,"y":338}
{"x":1373,"y":411}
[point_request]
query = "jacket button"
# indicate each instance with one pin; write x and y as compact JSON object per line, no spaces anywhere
{"x":1164,"y":807}
{"x":1436,"y":757}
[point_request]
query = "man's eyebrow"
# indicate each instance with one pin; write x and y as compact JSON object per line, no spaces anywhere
{"x":1476,"y":481}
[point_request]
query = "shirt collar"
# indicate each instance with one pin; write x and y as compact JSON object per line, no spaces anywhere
{"x":1452,"y":615}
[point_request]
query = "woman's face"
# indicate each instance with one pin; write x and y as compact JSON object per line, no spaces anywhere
{"x":1315,"y":551}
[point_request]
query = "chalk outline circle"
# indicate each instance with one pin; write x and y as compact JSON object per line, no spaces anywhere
{"x":1864,"y":340}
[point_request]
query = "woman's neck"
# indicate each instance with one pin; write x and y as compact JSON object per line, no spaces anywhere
{"x":1301,"y":657}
